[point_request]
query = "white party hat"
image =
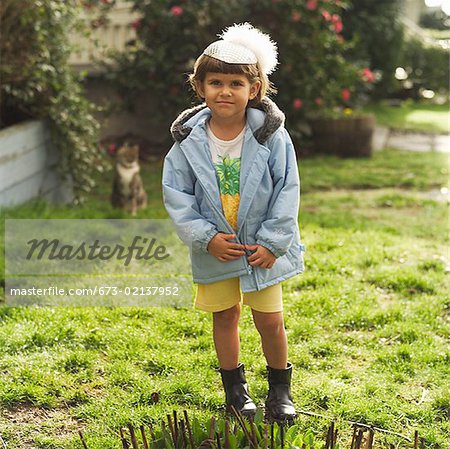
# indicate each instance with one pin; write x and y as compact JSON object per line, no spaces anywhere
{"x":244,"y":44}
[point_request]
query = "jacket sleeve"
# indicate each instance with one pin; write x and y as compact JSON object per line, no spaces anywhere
{"x":178,"y":182}
{"x":280,"y":227}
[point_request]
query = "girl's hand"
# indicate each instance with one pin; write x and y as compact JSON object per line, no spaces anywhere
{"x":220,"y":247}
{"x":262,"y":257}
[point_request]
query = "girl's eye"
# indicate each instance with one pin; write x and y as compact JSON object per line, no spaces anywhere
{"x":218,"y":83}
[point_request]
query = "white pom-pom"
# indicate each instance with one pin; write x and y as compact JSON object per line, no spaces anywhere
{"x":255,"y":40}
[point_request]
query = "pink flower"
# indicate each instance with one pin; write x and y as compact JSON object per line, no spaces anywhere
{"x":318,"y":101}
{"x":176,"y":11}
{"x":326,"y":15}
{"x":368,"y":75}
{"x":345,"y":94}
{"x":311,"y":5}
{"x":297,"y":103}
{"x":338,"y":27}
{"x":335,"y":18}
{"x":112,"y":148}
{"x":136,"y":24}
{"x":296,"y":16}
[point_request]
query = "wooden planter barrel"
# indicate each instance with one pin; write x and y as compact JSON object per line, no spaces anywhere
{"x":345,"y":137}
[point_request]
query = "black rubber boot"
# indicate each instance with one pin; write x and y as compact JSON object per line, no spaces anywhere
{"x":279,"y":405}
{"x":236,"y":391}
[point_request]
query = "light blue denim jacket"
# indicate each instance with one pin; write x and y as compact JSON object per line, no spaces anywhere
{"x":269,"y":197}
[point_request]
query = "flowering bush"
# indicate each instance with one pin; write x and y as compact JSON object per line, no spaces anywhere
{"x":314,"y":76}
{"x":379,"y":36}
{"x":37,"y":82}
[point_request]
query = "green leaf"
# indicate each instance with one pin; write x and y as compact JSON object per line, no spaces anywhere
{"x":233,"y":441}
{"x":292,"y":432}
{"x":298,"y":440}
{"x":309,"y":438}
{"x":259,"y":416}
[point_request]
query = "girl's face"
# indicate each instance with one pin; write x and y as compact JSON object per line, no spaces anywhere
{"x":227,"y":95}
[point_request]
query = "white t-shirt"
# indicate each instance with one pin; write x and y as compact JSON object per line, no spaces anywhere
{"x":221,"y":148}
{"x":226,"y":156}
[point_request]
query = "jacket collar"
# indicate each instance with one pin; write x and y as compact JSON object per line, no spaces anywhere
{"x":263,"y":120}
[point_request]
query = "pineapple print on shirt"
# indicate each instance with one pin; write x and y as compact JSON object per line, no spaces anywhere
{"x":228,"y":172}
{"x":226,"y":157}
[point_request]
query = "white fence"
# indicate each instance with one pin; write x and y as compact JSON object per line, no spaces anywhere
{"x":112,"y":35}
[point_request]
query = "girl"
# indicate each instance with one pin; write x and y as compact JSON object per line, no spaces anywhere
{"x":231,"y":187}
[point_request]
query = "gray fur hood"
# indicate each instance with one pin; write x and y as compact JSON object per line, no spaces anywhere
{"x":264,"y":120}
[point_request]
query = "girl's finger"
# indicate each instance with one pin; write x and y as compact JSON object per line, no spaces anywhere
{"x":230,"y":257}
{"x":252,"y":258}
{"x":235,"y":251}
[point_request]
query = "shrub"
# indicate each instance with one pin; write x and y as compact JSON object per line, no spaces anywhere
{"x":314,"y":76}
{"x":426,"y":65}
{"x":36,"y":82}
{"x":379,"y":38}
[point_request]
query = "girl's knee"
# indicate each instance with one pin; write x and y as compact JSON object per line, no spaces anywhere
{"x":268,"y":323}
{"x":229,"y":317}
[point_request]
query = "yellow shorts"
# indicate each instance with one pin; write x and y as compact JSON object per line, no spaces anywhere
{"x":225,"y":294}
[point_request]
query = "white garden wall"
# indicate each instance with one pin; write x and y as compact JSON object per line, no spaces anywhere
{"x":28,"y":165}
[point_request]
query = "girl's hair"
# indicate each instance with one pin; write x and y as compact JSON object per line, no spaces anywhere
{"x":206,"y":64}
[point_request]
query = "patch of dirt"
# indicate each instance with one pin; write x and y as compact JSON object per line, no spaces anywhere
{"x":385,"y":299}
{"x":21,"y":424}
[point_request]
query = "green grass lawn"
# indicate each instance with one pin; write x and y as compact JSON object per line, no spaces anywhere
{"x":368,"y":322}
{"x":410,"y":116}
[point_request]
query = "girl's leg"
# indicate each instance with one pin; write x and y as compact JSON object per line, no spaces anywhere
{"x":279,"y":403}
{"x":273,"y":337}
{"x":226,"y":336}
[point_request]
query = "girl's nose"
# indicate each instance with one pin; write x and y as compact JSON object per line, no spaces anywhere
{"x":226,"y":91}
